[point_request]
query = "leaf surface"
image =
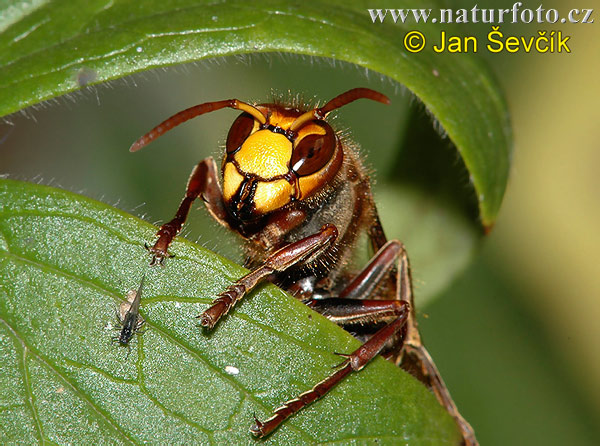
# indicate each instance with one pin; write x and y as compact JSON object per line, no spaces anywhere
{"x":66,"y":263}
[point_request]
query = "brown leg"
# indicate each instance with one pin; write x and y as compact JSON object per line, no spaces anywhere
{"x":413,"y":356}
{"x":365,"y":282}
{"x":202,"y":182}
{"x":344,"y":310}
{"x":350,"y":310}
{"x":355,"y":361}
{"x":417,"y":361}
{"x":292,"y":254}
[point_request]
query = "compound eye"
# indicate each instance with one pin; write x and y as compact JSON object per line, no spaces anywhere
{"x":313,"y":152}
{"x":239,"y":132}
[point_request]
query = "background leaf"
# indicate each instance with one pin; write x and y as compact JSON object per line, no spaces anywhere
{"x":65,"y":264}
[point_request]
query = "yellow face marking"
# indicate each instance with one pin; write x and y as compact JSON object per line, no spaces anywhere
{"x":309,"y":129}
{"x":282,"y":118}
{"x":272,"y":195}
{"x":310,"y":183}
{"x":265,"y":154}
{"x":285,"y":120}
{"x":231,"y":181}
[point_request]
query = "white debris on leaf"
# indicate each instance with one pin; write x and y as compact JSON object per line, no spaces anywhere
{"x":231,"y":370}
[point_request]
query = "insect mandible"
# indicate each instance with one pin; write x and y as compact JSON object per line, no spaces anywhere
{"x":298,"y":194}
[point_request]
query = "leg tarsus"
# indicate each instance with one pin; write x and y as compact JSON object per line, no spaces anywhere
{"x":289,"y":408}
{"x":222,"y":304}
{"x":355,"y":361}
{"x":158,"y":257}
{"x":167,"y":233}
{"x":416,"y":360}
{"x":202,"y":183}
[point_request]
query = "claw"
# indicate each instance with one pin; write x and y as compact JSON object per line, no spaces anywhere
{"x":257,"y":428}
{"x":158,"y":255}
{"x":206,"y":320}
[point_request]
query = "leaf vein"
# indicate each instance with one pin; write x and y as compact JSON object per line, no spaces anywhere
{"x":224,"y":376}
{"x":160,"y":330}
{"x":142,"y":385}
{"x":30,"y":397}
{"x":75,"y":389}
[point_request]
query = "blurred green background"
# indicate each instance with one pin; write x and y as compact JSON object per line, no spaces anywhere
{"x":516,"y":336}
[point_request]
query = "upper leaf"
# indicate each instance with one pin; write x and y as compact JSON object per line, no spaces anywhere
{"x":55,"y":47}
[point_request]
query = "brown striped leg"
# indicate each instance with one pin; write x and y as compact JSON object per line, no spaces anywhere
{"x":417,"y":361}
{"x":202,"y":182}
{"x":292,"y":254}
{"x":355,"y":361}
{"x":364,"y":283}
{"x":414,"y":357}
{"x":352,"y":308}
{"x":351,"y":311}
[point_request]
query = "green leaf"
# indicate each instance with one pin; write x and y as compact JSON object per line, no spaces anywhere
{"x":55,"y":47}
{"x":67,"y":261}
